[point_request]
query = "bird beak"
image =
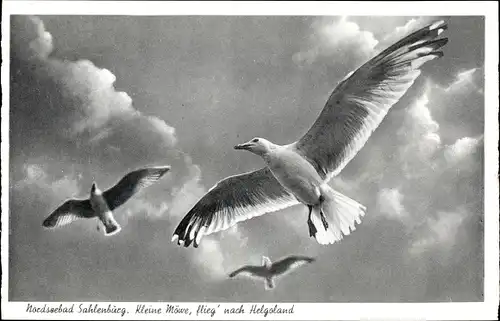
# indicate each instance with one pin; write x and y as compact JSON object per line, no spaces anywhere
{"x":245,"y":146}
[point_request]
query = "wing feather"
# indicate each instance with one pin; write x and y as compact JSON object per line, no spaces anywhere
{"x":232,"y":200}
{"x":132,"y":183}
{"x":289,"y":263}
{"x":252,"y":271}
{"x":68,"y":212}
{"x":360,"y":102}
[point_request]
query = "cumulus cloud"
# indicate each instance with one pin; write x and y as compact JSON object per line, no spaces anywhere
{"x":355,"y":36}
{"x":79,"y":125}
{"x":334,"y":38}
{"x":390,"y":202}
{"x":433,"y":177}
{"x":76,"y":103}
{"x":99,"y":135}
{"x":399,"y":31}
{"x":461,"y":149}
{"x":419,"y":175}
{"x":463,"y":79}
{"x":419,"y":137}
{"x":425,"y":152}
{"x":439,"y":232}
{"x":37,"y":181}
{"x":219,"y":254}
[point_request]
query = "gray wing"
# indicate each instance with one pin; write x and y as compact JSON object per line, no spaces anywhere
{"x":232,"y":200}
{"x":249,"y":270}
{"x":360,"y":102}
{"x":290,"y":263}
{"x":68,"y":212}
{"x":132,"y":183}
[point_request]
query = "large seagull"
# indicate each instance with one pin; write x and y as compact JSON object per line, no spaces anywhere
{"x":101,"y":204}
{"x":299,"y":172}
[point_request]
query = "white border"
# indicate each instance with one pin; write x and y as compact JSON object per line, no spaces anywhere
{"x":486,"y":310}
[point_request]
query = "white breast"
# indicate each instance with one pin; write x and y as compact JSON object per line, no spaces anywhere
{"x":98,"y":203}
{"x":296,"y":174}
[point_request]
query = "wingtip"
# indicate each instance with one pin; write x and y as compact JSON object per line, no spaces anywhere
{"x":188,"y":242}
{"x":162,"y":169}
{"x":46,"y":225}
{"x":175,"y":237}
{"x":441,"y":24}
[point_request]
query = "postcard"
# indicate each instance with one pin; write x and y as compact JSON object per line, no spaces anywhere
{"x":250,"y":160}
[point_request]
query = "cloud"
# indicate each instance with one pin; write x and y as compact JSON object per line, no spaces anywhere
{"x":439,"y":184}
{"x":419,"y":137}
{"x":463,"y":79}
{"x":419,"y":175}
{"x":334,"y":38}
{"x":92,"y":127}
{"x":461,"y":149}
{"x":400,"y":31}
{"x":219,"y":254}
{"x":79,"y":128}
{"x":355,"y":36}
{"x":390,"y":202}
{"x":423,"y":150}
{"x":97,"y":130}
{"x":38,"y":182}
{"x":186,"y":196}
{"x":438,"y":233}
{"x":211,"y":257}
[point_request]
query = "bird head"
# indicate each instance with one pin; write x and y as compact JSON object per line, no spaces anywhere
{"x":94,"y":189}
{"x":266,"y":262}
{"x":257,"y":145}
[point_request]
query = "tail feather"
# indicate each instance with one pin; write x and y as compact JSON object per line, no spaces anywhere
{"x":111,"y":226}
{"x":341,"y":212}
{"x":269,"y":284}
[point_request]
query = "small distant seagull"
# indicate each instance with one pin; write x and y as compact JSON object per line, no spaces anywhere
{"x":299,"y":172}
{"x":101,"y":204}
{"x":269,"y":271}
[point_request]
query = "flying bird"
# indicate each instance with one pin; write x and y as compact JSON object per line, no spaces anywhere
{"x":101,"y":204}
{"x":269,"y":271}
{"x":299,"y":172}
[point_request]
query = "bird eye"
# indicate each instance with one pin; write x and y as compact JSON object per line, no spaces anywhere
{"x":255,"y":140}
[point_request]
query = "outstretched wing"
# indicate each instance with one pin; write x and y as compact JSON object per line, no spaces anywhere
{"x":360,"y":102}
{"x":132,"y":183}
{"x":68,"y":212}
{"x":248,"y":270}
{"x":290,"y":263}
{"x":232,"y":200}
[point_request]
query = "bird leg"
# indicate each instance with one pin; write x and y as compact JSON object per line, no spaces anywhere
{"x":312,"y":229}
{"x":323,"y":218}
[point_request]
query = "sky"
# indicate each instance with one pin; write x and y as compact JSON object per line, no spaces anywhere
{"x":94,"y":97}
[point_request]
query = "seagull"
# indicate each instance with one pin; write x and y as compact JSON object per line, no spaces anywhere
{"x":299,"y":172}
{"x":101,"y":204}
{"x":269,"y":271}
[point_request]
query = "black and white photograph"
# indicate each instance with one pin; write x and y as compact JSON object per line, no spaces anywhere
{"x":162,"y":163}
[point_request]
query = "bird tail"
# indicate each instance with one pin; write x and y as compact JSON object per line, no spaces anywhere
{"x":269,"y":284}
{"x":341,"y":214}
{"x":111,"y":226}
